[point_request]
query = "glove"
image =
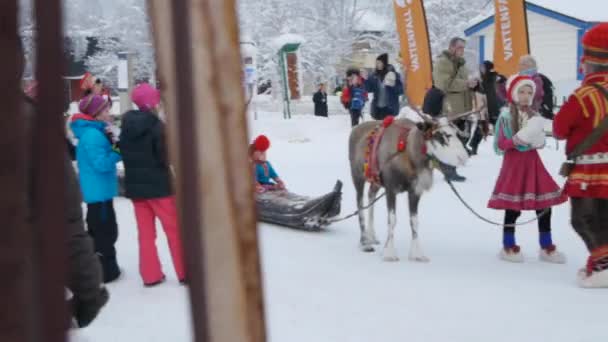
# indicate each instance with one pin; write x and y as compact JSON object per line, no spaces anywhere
{"x":280,"y":184}
{"x":259,"y":188}
{"x":85,"y":311}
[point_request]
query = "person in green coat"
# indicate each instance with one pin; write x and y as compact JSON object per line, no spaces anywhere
{"x":451,"y":76}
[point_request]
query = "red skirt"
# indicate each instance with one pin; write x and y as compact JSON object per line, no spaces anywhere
{"x":525,"y":184}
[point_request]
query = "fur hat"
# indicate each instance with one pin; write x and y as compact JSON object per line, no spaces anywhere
{"x":595,"y":45}
{"x":87,"y":81}
{"x":145,"y":97}
{"x":515,"y":82}
{"x":93,"y":105}
{"x":261,"y":143}
{"x":384,"y":59}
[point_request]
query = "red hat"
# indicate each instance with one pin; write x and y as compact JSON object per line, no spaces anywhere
{"x":87,"y":81}
{"x":595,"y":45}
{"x":261,"y":143}
{"x":517,"y":81}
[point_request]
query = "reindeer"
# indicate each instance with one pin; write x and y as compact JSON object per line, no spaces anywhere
{"x":409,"y":170}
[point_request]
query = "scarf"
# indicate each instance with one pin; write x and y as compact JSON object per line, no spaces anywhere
{"x":504,"y":123}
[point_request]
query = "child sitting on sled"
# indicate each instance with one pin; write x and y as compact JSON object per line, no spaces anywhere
{"x":266,"y":177}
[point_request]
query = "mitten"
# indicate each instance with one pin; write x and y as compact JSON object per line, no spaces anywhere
{"x":85,"y":311}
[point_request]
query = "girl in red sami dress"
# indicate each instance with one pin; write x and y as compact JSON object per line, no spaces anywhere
{"x":524,"y":183}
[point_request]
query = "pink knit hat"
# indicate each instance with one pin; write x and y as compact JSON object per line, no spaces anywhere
{"x":145,"y":96}
{"x":93,"y":105}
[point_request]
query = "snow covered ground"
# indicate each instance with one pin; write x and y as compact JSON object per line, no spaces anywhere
{"x":319,"y":287}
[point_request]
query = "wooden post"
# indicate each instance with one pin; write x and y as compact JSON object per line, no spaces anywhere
{"x":32,"y":258}
{"x":15,"y":244}
{"x":48,"y":184}
{"x":207,"y":126}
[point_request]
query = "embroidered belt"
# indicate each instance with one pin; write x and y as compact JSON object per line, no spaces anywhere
{"x":592,"y":159}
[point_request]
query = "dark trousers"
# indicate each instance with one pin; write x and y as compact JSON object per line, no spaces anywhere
{"x":355,"y":117}
{"x":476,"y":140}
{"x":590,"y":221}
{"x":544,"y":223}
{"x":103,"y":229}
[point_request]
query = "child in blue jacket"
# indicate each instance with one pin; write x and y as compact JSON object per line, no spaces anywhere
{"x":97,"y":158}
{"x":266,"y":177}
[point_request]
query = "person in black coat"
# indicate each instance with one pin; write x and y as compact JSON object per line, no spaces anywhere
{"x":491,"y":82}
{"x":320,"y":100}
{"x":387,"y":86}
{"x":148,"y":181}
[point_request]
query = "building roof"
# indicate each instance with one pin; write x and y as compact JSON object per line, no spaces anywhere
{"x":578,"y":13}
{"x":585,"y":10}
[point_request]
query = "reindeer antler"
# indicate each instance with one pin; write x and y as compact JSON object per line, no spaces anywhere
{"x":423,"y":116}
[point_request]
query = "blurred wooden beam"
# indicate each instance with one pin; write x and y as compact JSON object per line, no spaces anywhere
{"x":198,"y":54}
{"x":48,"y":184}
{"x":15,"y":244}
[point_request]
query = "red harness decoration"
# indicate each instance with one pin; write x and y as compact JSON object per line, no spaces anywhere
{"x":371,"y":167}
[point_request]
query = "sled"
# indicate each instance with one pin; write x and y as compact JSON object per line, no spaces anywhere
{"x":287,"y":209}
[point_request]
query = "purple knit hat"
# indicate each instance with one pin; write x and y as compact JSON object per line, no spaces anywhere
{"x":93,"y":105}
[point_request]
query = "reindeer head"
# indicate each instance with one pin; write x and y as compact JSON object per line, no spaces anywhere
{"x":441,"y":138}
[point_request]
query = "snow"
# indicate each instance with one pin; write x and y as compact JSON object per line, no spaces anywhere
{"x":585,"y":10}
{"x":288,"y":38}
{"x":370,"y":21}
{"x":320,"y":287}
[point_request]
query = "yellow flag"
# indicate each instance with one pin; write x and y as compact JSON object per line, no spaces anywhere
{"x":511,"y":35}
{"x":415,"y":49}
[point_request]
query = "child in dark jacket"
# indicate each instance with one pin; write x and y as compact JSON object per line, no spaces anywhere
{"x":148,"y":184}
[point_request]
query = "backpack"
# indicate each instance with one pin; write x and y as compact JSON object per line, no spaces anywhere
{"x":433,"y":101}
{"x":357,"y":101}
{"x":548,"y":104}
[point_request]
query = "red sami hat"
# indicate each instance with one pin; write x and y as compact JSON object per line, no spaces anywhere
{"x":261,"y":143}
{"x":595,"y":45}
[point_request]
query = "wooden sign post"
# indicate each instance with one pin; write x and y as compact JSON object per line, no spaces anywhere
{"x":197,"y":49}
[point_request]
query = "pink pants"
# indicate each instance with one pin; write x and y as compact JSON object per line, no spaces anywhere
{"x":146,"y":212}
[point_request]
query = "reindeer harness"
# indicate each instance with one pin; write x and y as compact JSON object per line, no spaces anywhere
{"x":371,"y":167}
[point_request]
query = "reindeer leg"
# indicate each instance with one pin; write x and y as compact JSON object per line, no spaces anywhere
{"x":390,"y":253}
{"x":364,"y":242}
{"x":416,"y":253}
{"x":371,"y":231}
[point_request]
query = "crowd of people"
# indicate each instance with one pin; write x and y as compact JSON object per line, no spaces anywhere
{"x":515,"y":106}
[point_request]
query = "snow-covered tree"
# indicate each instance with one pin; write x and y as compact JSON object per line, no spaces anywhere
{"x":449,"y":18}
{"x":330,"y":29}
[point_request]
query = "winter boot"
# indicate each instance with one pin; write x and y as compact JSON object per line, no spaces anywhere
{"x":156,"y":283}
{"x":548,"y":251}
{"x":111,"y":271}
{"x":596,"y":272}
{"x":551,"y":255}
{"x":511,"y":254}
{"x":451,"y":174}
